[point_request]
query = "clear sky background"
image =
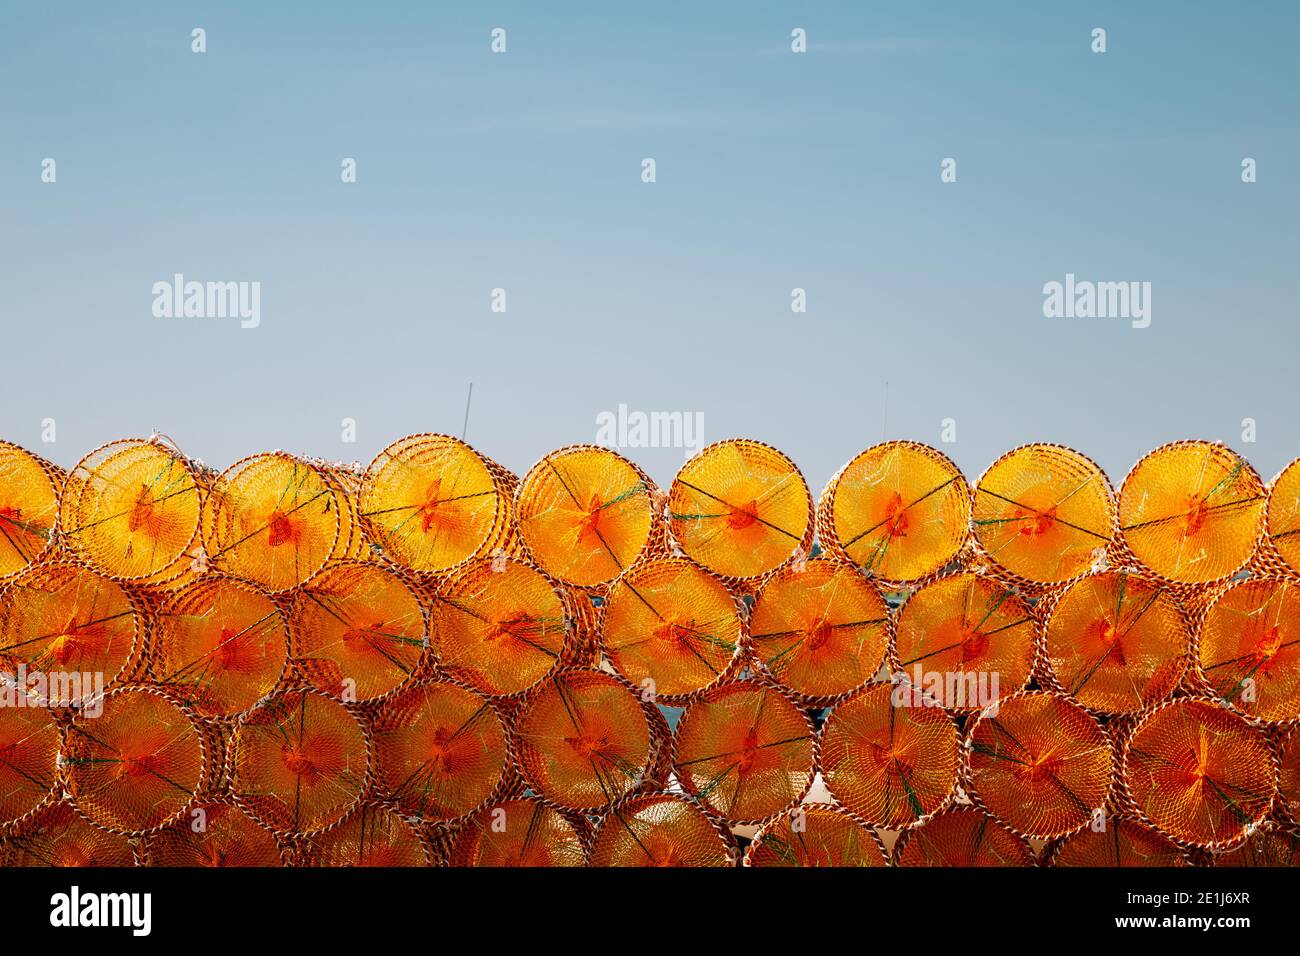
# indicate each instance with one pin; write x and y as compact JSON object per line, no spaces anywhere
{"x":775,"y":171}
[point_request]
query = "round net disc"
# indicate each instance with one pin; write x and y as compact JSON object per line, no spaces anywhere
{"x":1191,"y":511}
{"x":816,"y":835}
{"x":660,"y":830}
{"x":819,"y":629}
{"x":219,"y":646}
{"x":671,"y":628}
{"x":270,"y":519}
{"x":499,"y":626}
{"x":891,"y":764}
{"x":1124,"y":842}
{"x":745,"y":751}
{"x":962,"y":836}
{"x":214,"y":835}
{"x":59,"y":836}
{"x":130,"y":509}
{"x":1248,"y":649}
{"x":356,"y":631}
{"x":964,"y":641}
{"x":583,"y":740}
{"x":1040,"y":764}
{"x":585,"y":514}
{"x":741,"y":509}
{"x":431,"y":502}
{"x":29,"y":756}
{"x":61,"y":620}
{"x":28,"y":508}
{"x":138,"y":765}
{"x":368,"y":836}
{"x":899,"y":510}
{"x":1199,"y":773}
{"x":1268,"y":846}
{"x":440,"y":751}
{"x":1044,"y":513}
{"x":1288,"y":796}
{"x":523,"y":832}
{"x":1116,"y":643}
{"x":1282,"y":515}
{"x":299,"y":761}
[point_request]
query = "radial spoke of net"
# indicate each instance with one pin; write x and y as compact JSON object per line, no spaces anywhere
{"x":254,"y":533}
{"x":722,"y":501}
{"x":75,"y":628}
{"x":1187,"y":514}
{"x":928,"y":494}
{"x":123,"y":514}
{"x":1037,"y":511}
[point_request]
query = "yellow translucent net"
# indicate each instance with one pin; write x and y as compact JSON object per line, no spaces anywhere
{"x":1044,"y":513}
{"x":1122,"y":842}
{"x":498,"y":626}
{"x":740,"y":508}
{"x":585,"y":514}
{"x":662,"y":831}
{"x":890,"y":763}
{"x":131,"y":510}
{"x":1199,"y":773}
{"x":899,"y":510}
{"x":815,"y":835}
{"x":1282,"y":518}
{"x":271,"y":519}
{"x":299,"y":761}
{"x":358,"y":631}
{"x":219,"y":646}
{"x":214,"y":835}
{"x":138,"y":765}
{"x":1191,"y":511}
{"x":431,"y":502}
{"x":964,"y":641}
{"x":369,"y":836}
{"x":440,"y":751}
{"x":28,"y":507}
{"x":583,"y":740}
{"x":64,"y":619}
{"x":29,"y":758}
{"x":819,"y":629}
{"x":59,"y":836}
{"x":1116,"y":643}
{"x":670,"y":627}
{"x":1040,"y":764}
{"x":1249,"y":648}
{"x":962,"y":836}
{"x":522,"y":832}
{"x":744,"y":750}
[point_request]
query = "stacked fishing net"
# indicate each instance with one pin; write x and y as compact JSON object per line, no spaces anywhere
{"x":431,"y":661}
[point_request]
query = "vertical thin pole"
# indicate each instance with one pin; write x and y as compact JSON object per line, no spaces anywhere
{"x":464,"y":429}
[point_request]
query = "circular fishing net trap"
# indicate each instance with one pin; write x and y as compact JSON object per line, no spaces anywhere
{"x":662,"y":830}
{"x":816,"y":834}
{"x":1288,"y":787}
{"x":741,"y":509}
{"x":892,"y":763}
{"x":522,"y":832}
{"x":1124,"y":842}
{"x":370,"y":835}
{"x":299,"y":761}
{"x":820,"y":630}
{"x":1199,"y":773}
{"x":431,"y":502}
{"x":1248,"y":648}
{"x":900,"y":510}
{"x":586,"y":514}
{"x":1190,"y":512}
{"x":962,"y":836}
{"x":584,"y":740}
{"x":964,"y":641}
{"x":1280,"y":545}
{"x":745,"y":751}
{"x":1040,"y":764}
{"x":130,"y":509}
{"x":1043,"y":514}
{"x":62,"y":619}
{"x":499,"y":626}
{"x":1115,"y":642}
{"x":356,"y":631}
{"x":671,"y":628}
{"x":441,"y":751}
{"x":59,"y":836}
{"x":220,"y":646}
{"x":214,"y":835}
{"x":29,"y":755}
{"x":29,"y":490}
{"x":1269,"y":846}
{"x":271,"y":519}
{"x":137,"y":766}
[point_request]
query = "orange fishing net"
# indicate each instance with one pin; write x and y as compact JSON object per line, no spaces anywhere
{"x":1248,"y":648}
{"x":1270,"y":845}
{"x":368,"y":836}
{"x":29,"y":757}
{"x":1282,"y":518}
{"x":816,"y":835}
{"x":660,"y":830}
{"x":29,"y":488}
{"x":214,"y":835}
{"x":60,"y":836}
{"x":1123,"y":842}
{"x":522,"y":832}
{"x":962,"y":836}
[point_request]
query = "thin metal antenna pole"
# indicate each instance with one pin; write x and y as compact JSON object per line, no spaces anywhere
{"x":464,"y":430}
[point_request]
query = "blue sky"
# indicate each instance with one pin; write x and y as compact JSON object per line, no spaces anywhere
{"x":775,"y":171}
